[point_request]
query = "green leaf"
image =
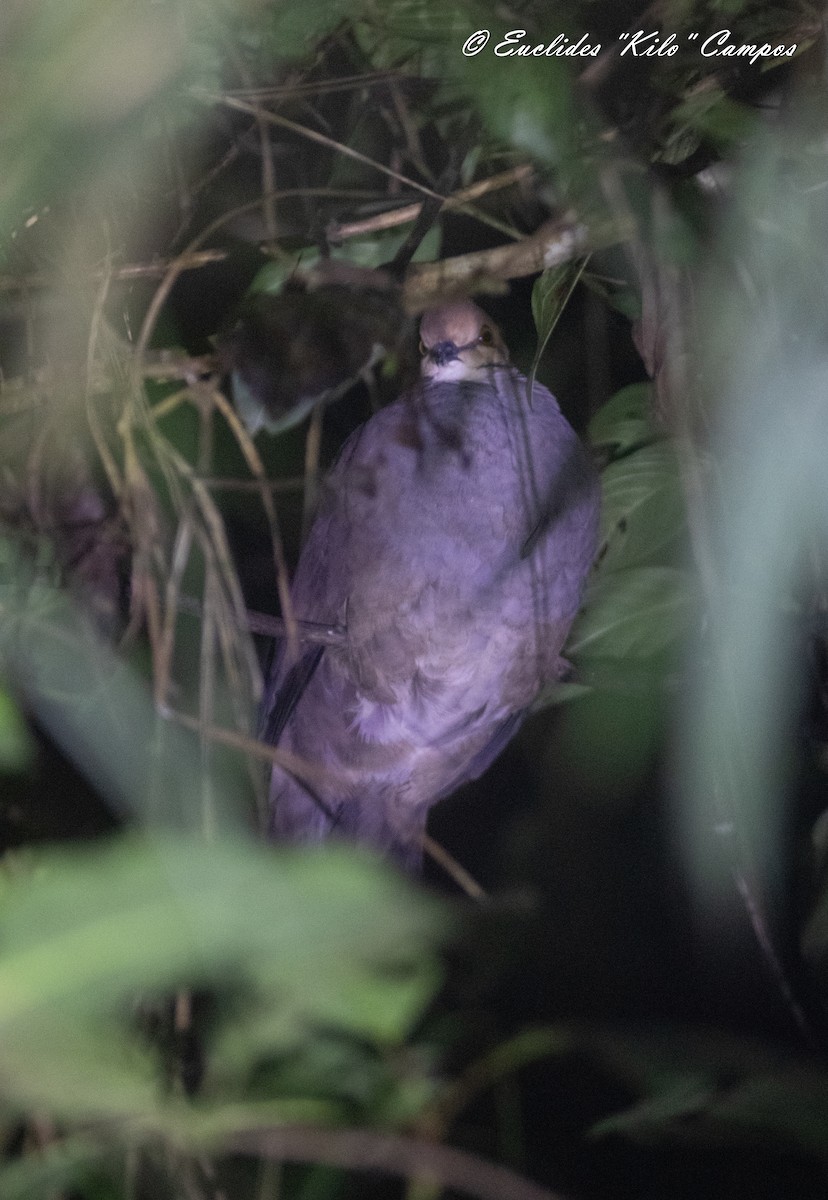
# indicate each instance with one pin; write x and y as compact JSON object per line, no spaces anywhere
{"x":685,"y":1098}
{"x":291,"y":30}
{"x":624,"y":423}
{"x":16,"y":745}
{"x":622,"y":296}
{"x":526,"y":103}
{"x":302,"y":940}
{"x":59,"y":1168}
{"x":635,"y":613}
{"x":708,"y":111}
{"x":642,"y":508}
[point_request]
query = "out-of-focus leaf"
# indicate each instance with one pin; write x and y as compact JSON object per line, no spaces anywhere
{"x":684,"y":1098}
{"x":705,"y":1088}
{"x":624,"y":423}
{"x":560,"y":693}
{"x":530,"y":109}
{"x":765,"y":366}
{"x":623,"y":297}
{"x":55,"y":1169}
{"x":15,"y":740}
{"x":642,"y":511}
{"x":99,"y":713}
{"x":330,"y":939}
{"x":610,"y":738}
{"x":787,"y":1106}
{"x":638,"y":613}
{"x":290,"y":30}
{"x":710,"y":112}
{"x":73,"y":78}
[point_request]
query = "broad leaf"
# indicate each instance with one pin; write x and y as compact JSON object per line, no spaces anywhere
{"x":329,"y":939}
{"x":624,"y":423}
{"x":642,"y":509}
{"x":636,"y":613}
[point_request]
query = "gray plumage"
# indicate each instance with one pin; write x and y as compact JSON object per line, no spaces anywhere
{"x":452,"y":540}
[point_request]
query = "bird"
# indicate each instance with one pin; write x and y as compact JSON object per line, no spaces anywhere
{"x":452,"y":540}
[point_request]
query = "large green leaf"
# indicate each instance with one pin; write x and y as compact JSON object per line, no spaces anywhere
{"x":301,"y":940}
{"x":642,"y":510}
{"x":635,"y":613}
{"x":526,"y":103}
{"x":624,"y":423}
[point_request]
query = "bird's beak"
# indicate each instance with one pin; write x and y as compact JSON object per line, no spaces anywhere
{"x":443,"y":353}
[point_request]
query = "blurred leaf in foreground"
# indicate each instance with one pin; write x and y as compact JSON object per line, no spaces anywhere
{"x":624,"y":422}
{"x":301,"y":941}
{"x":638,"y":613}
{"x":15,"y":741}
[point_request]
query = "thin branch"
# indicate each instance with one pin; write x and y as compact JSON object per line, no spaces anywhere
{"x":153,"y":270}
{"x":556,"y":242}
{"x":167,"y":364}
{"x":303,"y":770}
{"x":310,"y":632}
{"x":343,"y":83}
{"x":256,"y":468}
{"x":410,"y":212}
{"x":322,"y":139}
{"x":313,"y":447}
{"x":452,"y":867}
{"x":330,"y":143}
{"x":293,"y":483}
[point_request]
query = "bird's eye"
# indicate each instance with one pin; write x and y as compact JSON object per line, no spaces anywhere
{"x":422,"y":348}
{"x":486,"y":336}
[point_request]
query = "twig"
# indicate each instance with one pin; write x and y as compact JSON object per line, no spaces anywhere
{"x":310,"y":632}
{"x":166,"y":364}
{"x":393,"y":1154}
{"x":256,"y":468}
{"x":410,"y":212}
{"x":409,"y":128}
{"x":153,"y":270}
{"x":303,"y":770}
{"x":178,"y":564}
{"x":313,"y":446}
{"x":556,"y":242}
{"x":332,"y":144}
{"x":293,"y":483}
{"x":452,"y":867}
{"x":493,"y":1067}
{"x":322,"y":139}
{"x":344,"y":83}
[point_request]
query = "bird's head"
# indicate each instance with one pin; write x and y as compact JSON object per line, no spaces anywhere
{"x":457,"y":341}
